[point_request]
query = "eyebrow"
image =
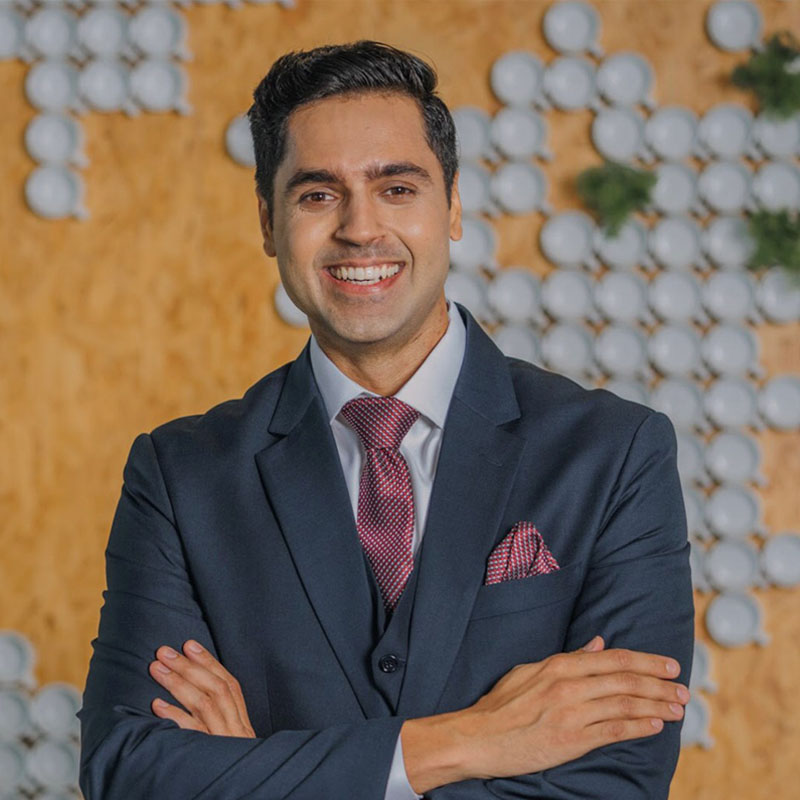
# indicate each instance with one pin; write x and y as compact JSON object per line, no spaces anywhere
{"x":371,"y":173}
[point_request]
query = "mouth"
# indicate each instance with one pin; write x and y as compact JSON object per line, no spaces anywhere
{"x":366,"y":275}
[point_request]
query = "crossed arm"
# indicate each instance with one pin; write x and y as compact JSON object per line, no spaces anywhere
{"x":640,"y":565}
{"x":129,"y":753}
{"x":459,"y":745}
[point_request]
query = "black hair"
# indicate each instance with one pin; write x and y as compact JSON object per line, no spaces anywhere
{"x":301,"y":77}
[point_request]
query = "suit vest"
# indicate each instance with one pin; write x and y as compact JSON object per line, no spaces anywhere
{"x":390,"y":636}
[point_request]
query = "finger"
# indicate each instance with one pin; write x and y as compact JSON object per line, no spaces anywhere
{"x":623,"y":706}
{"x":200,"y":676}
{"x":221,"y":687}
{"x":192,"y":692}
{"x":595,"y":644}
{"x":632,"y":684}
{"x":185,"y":721}
{"x":617,"y":660}
{"x":198,"y":654}
{"x":620,"y":730}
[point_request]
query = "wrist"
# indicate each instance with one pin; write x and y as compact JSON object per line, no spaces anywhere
{"x":437,"y":750}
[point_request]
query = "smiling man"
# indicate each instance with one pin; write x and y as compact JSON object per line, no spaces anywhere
{"x":360,"y":230}
{"x":402,"y":564}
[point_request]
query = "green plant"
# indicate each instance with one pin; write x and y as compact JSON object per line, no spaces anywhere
{"x":776,"y":235}
{"x":774,"y":75}
{"x":614,"y":191}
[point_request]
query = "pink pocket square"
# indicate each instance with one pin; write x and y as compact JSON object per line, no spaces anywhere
{"x":521,"y":553}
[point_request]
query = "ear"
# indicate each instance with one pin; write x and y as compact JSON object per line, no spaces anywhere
{"x":455,"y":211}
{"x":266,"y":230}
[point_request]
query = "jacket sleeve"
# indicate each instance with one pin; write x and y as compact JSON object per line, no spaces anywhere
{"x":637,"y":595}
{"x":126,"y":751}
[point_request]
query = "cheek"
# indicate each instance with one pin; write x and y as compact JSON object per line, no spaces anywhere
{"x":298,"y":248}
{"x":428,"y":236}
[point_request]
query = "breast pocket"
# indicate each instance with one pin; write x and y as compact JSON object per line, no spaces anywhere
{"x":526,"y":593}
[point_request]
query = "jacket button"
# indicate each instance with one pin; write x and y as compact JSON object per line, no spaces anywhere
{"x":388,"y":663}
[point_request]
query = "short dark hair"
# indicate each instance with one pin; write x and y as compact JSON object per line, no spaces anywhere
{"x":301,"y":77}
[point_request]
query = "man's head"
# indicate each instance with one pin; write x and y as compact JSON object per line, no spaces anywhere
{"x":356,"y":183}
{"x":297,"y":78}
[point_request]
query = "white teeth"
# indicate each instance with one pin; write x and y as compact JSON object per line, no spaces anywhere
{"x":365,"y":275}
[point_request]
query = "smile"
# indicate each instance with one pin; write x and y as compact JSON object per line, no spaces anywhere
{"x":365,"y":275}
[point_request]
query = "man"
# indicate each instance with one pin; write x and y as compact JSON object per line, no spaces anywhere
{"x":330,"y":543}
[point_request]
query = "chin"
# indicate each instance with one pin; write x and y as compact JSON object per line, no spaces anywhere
{"x":366,"y":331}
{"x":371,"y":335}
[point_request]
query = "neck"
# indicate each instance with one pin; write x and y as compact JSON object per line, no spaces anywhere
{"x":383,"y":367}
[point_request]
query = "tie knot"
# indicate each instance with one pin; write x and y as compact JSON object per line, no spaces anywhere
{"x":380,"y":421}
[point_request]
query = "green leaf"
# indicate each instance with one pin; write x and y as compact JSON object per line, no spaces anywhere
{"x":773,"y":75}
{"x":614,"y":191}
{"x":777,"y":242}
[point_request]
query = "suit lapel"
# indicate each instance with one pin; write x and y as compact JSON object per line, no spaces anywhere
{"x":477,"y":464}
{"x":303,"y":479}
{"x":305,"y":486}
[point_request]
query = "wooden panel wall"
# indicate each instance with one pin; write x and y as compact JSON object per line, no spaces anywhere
{"x":160,"y":305}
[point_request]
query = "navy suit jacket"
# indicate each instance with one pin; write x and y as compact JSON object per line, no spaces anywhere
{"x":234,"y":527}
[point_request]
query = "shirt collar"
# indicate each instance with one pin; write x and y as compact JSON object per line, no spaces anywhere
{"x":428,"y":390}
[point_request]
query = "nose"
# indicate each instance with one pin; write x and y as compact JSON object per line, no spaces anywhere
{"x":359,"y":219}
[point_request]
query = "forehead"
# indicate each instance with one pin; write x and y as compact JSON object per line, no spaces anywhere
{"x":347,"y":131}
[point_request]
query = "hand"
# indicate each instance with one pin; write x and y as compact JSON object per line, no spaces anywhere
{"x":543,"y":714}
{"x":205,"y":687}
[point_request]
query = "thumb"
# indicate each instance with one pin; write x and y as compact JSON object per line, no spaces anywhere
{"x":596,"y":643}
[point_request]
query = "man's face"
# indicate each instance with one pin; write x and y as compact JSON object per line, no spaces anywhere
{"x":361,"y":224}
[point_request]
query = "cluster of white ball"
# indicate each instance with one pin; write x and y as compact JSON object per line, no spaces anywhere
{"x":658,"y":314}
{"x":39,"y":732}
{"x":91,"y":56}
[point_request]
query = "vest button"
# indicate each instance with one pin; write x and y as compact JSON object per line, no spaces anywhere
{"x":388,"y":663}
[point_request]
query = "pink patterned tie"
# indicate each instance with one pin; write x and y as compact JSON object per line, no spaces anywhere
{"x":385,"y":499}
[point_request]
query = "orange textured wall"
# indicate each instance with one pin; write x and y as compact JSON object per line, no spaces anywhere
{"x":160,"y":305}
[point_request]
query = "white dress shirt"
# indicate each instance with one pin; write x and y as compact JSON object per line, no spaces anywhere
{"x":428,"y":390}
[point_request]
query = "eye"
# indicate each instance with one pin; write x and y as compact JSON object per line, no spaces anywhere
{"x":314,"y":196}
{"x":404,"y":190}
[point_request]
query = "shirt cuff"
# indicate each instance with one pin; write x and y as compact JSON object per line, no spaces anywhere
{"x":398,"y":787}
